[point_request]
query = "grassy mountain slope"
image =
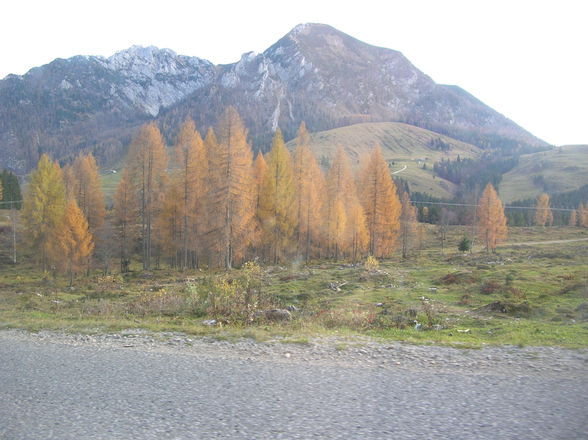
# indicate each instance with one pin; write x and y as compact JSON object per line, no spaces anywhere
{"x":561,"y":169}
{"x":403,"y":146}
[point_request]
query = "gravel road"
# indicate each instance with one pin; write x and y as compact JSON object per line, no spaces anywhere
{"x":530,"y":243}
{"x":137,"y":385}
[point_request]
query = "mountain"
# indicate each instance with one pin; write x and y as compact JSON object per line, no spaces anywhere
{"x":314,"y":73}
{"x":88,"y":102}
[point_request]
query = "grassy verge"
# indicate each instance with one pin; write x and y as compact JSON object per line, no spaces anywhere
{"x":524,"y":295}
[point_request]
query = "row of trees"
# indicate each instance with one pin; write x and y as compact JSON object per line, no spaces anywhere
{"x":212,"y":205}
{"x":537,"y":211}
{"x":56,"y":227}
{"x":476,"y":173}
{"x":215,"y":206}
{"x":544,"y":214}
{"x":10,"y":196}
{"x":580,"y":216}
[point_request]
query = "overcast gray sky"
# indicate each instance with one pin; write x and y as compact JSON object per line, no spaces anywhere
{"x":526,"y":59}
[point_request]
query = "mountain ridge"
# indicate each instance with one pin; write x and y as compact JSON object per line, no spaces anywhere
{"x":314,"y":73}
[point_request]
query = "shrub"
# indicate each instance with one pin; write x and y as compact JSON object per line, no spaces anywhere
{"x":574,"y":287}
{"x":464,"y":245}
{"x":160,"y":302}
{"x":352,"y":319}
{"x":516,"y":293}
{"x":515,"y":309}
{"x":489,"y":287}
{"x":448,"y":279}
{"x":466,"y":299}
{"x":458,"y":278}
{"x":431,"y":315}
{"x":236,"y":299}
{"x":509,"y":279}
{"x":371,"y":263}
{"x":399,"y":319}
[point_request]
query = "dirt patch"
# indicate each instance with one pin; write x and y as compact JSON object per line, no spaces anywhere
{"x":489,"y":287}
{"x":458,"y":278}
{"x":518,"y":309}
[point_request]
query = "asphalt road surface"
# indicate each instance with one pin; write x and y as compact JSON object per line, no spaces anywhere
{"x":55,"y":390}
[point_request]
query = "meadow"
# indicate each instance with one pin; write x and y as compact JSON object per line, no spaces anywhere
{"x":559,"y":170}
{"x":535,"y":294}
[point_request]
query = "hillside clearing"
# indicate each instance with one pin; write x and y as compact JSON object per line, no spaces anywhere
{"x":558,"y":170}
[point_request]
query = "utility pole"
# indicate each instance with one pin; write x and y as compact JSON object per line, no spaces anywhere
{"x":13,"y":218}
{"x":475,"y":219}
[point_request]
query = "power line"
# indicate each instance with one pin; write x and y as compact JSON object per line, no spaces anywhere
{"x":505,"y":206}
{"x":422,"y":203}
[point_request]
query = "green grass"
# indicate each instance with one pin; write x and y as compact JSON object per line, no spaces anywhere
{"x":109,"y":184}
{"x":562,"y":169}
{"x":545,"y":288}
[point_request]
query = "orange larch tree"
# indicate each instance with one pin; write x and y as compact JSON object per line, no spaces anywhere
{"x":344,"y":217}
{"x":70,"y":181}
{"x":310,"y":199}
{"x":76,"y":242}
{"x":170,"y":223}
{"x":381,"y":205}
{"x":357,"y":227}
{"x":192,"y":179}
{"x":88,"y":190}
{"x":84,"y":186}
{"x":147,"y":164}
{"x":44,"y":209}
{"x":259,"y":171}
{"x":583,"y":215}
{"x":125,"y":218}
{"x":425,"y":213}
{"x":277,"y":209}
{"x":209,"y":249}
{"x":299,"y":169}
{"x":491,"y":225}
{"x":338,"y":176}
{"x":543,"y":214}
{"x":408,"y":223}
{"x":573,"y":218}
{"x":231,"y":198}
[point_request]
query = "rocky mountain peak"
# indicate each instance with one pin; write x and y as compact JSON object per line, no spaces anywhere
{"x":306,"y":29}
{"x":157,"y":78}
{"x":151,"y":60}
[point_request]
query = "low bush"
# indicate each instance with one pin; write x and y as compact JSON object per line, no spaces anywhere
{"x":466,"y":299}
{"x":237,"y":300}
{"x":351,"y":319}
{"x":371,"y":263}
{"x":458,"y":278}
{"x":574,"y":287}
{"x":490,"y":286}
{"x":162,"y":302}
{"x":509,"y":308}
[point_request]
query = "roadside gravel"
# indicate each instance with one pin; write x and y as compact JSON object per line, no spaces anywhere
{"x":141,"y":385}
{"x":355,"y":351}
